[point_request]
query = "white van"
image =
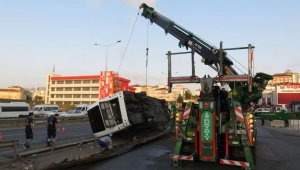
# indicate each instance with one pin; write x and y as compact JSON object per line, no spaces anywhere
{"x":81,"y":108}
{"x":44,"y":109}
{"x":14,"y":110}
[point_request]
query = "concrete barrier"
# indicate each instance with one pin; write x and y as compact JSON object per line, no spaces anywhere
{"x":277,"y":123}
{"x":295,"y":125}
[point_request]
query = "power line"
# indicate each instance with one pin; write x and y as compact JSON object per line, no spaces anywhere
{"x":128,"y":41}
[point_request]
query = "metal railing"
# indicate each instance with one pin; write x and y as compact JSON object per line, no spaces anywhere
{"x":19,"y":122}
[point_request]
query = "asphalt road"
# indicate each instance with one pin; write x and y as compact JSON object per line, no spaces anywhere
{"x":277,"y":149}
{"x":74,"y":132}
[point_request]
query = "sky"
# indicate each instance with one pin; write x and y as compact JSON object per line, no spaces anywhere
{"x":37,"y":36}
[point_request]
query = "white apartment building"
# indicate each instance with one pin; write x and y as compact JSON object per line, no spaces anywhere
{"x":72,"y":90}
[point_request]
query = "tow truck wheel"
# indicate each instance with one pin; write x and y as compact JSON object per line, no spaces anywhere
{"x":175,"y":162}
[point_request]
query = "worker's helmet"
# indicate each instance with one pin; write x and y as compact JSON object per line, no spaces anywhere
{"x":110,"y":135}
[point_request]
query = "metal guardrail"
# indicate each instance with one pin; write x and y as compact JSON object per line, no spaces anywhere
{"x":19,"y":122}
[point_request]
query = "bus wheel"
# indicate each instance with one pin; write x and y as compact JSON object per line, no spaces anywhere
{"x":21,"y":116}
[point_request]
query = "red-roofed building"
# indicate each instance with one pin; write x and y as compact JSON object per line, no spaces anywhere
{"x":282,"y":94}
{"x":72,"y":90}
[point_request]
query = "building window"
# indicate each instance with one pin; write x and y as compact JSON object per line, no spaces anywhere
{"x":77,"y":81}
{"x":60,"y":82}
{"x":94,"y":96}
{"x":69,"y":82}
{"x":95,"y":81}
{"x":76,"y":95}
{"x":85,"y":89}
{"x":52,"y":95}
{"x":59,"y":89}
{"x":52,"y":89}
{"x":86,"y":81}
{"x":95,"y":88}
{"x":68,"y":89}
{"x":53,"y":82}
{"x":86,"y":96}
{"x":68,"y":96}
{"x":59,"y":96}
{"x":77,"y":88}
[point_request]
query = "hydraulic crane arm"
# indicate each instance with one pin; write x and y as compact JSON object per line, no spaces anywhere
{"x":210,"y":54}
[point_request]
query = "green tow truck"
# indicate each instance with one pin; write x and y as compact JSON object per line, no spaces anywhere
{"x":220,"y":128}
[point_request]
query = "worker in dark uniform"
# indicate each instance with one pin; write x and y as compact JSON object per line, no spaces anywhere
{"x":51,"y":129}
{"x":28,"y":130}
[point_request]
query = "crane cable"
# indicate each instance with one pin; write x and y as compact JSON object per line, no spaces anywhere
{"x":238,"y":63}
{"x":147,"y":53}
{"x":128,"y":40}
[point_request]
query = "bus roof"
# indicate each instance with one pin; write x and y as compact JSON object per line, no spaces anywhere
{"x":14,"y":104}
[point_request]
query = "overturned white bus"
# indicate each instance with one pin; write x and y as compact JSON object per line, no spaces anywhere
{"x":126,"y":109}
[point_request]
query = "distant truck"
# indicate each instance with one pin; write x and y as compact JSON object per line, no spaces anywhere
{"x":44,"y":110}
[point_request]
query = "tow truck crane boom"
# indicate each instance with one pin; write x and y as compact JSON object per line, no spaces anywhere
{"x":210,"y":54}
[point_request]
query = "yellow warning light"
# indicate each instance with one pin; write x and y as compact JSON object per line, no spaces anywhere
{"x":250,"y":116}
{"x":177,"y":119}
{"x":250,"y":120}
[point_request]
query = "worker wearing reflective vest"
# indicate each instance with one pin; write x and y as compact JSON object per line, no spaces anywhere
{"x":51,"y":129}
{"x":28,"y":130}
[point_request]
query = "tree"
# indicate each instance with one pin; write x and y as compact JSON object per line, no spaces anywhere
{"x":38,"y":100}
{"x":179,"y":99}
{"x":187,"y":95}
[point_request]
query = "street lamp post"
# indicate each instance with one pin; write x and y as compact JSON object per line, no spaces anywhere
{"x":106,"y":56}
